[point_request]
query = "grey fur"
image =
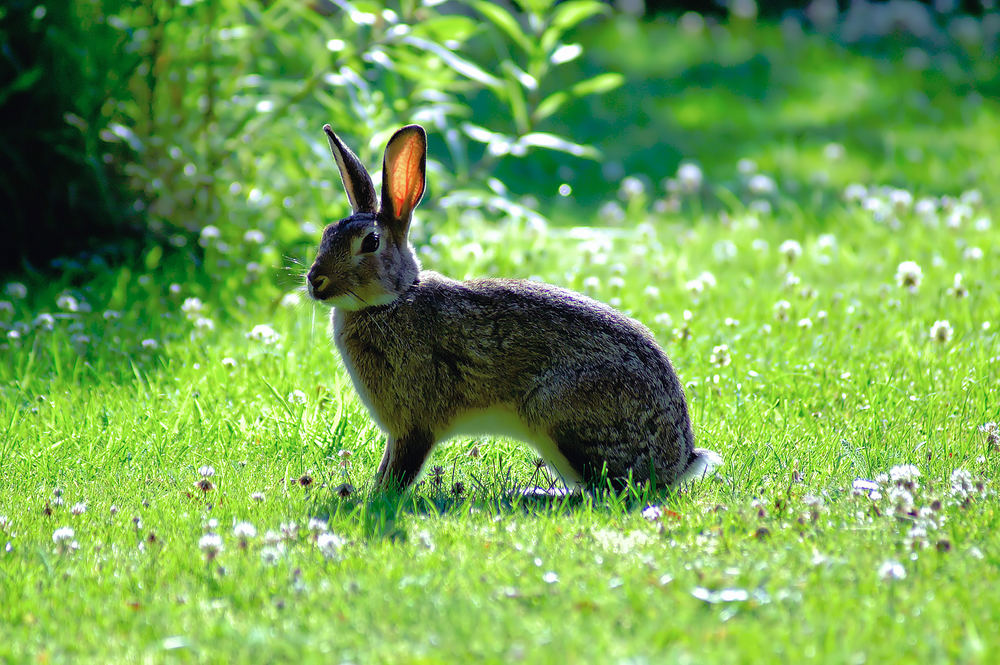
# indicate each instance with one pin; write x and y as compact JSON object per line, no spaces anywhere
{"x":587,"y":386}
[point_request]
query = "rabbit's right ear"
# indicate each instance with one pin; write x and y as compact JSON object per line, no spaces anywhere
{"x":357,"y":182}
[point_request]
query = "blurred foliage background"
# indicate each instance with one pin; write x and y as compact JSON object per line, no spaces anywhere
{"x":135,"y":124}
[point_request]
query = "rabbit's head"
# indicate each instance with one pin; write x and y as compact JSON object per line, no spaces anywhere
{"x":364,"y":260}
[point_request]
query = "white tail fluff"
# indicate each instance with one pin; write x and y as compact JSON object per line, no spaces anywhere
{"x":702,"y":463}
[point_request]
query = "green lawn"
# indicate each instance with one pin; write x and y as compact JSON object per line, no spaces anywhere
{"x":174,"y":432}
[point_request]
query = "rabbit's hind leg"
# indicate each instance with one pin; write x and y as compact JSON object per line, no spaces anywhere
{"x":404,"y":457}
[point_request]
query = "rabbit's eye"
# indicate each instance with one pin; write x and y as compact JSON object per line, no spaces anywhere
{"x":370,"y":243}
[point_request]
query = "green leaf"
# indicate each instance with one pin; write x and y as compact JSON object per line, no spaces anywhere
{"x":503,"y":20}
{"x":550,"y":105}
{"x":456,"y":62}
{"x":558,"y":143}
{"x":567,"y":16}
{"x":598,"y":84}
{"x":441,"y":28}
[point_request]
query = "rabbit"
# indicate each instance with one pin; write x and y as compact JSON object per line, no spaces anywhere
{"x":432,"y":357}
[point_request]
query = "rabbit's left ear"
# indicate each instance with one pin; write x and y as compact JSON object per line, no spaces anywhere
{"x":403,"y":170}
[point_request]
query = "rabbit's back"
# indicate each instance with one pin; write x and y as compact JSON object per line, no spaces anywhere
{"x":544,"y":363}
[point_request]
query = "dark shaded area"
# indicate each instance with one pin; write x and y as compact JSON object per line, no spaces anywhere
{"x":64,"y":72}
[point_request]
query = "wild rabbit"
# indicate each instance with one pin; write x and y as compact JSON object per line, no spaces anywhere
{"x":432,"y":357}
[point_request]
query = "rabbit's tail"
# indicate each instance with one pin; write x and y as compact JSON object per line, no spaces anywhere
{"x":701,"y":463}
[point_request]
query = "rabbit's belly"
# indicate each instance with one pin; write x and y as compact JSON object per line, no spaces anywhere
{"x":504,"y":421}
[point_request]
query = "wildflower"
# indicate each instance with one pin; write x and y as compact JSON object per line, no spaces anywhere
{"x":834,"y":151}
{"x":904,"y":474}
{"x":972,"y":254}
{"x":909,"y":275}
{"x":345,"y":458}
{"x":900,"y":199}
{"x":630,"y":188}
{"x":16,"y":290}
{"x":730,"y":322}
{"x":211,"y":545}
{"x":961,"y":484}
{"x":192,"y":306}
{"x":958,"y":289}
{"x":257,"y":496}
{"x":329,"y":545}
{"x":289,"y":530}
{"x":941,"y":332}
{"x":781,"y":310}
{"x":264,"y":334}
{"x":150,"y":344}
{"x":992,"y":432}
{"x":68,"y":303}
{"x":63,"y":534}
{"x":292,"y":299}
{"x":761,"y":184}
{"x":690,"y":177}
{"x":45,"y":321}
{"x":855,"y":192}
{"x":791,"y":250}
{"x":746,"y":166}
{"x":253,"y":236}
{"x":244,"y":530}
{"x":891,"y":570}
{"x":229,"y":362}
{"x":720,"y":356}
{"x":78,"y":508}
{"x":345,"y":490}
{"x":611,"y":213}
{"x":805,"y":324}
{"x":551,"y":577}
{"x":206,"y":471}
{"x":663,"y":320}
{"x":208,"y":235}
{"x":652,"y":513}
{"x":792,"y":280}
{"x":305,"y":480}
{"x":316,"y":525}
{"x":271,"y":554}
{"x":203,"y":324}
{"x":297,"y":397}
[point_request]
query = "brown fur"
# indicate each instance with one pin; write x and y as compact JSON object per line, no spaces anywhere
{"x":586,"y":385}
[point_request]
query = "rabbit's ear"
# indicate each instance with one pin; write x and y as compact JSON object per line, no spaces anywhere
{"x":357,"y":182}
{"x":403,"y":174}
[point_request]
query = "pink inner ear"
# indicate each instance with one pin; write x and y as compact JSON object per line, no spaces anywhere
{"x":407,"y":183}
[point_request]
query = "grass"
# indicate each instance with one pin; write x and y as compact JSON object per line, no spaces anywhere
{"x":776,"y":559}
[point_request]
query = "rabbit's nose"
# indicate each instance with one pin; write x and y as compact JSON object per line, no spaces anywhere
{"x":318,"y":282}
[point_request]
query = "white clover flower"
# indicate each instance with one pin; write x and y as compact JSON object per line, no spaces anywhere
{"x":204,"y":324}
{"x":972,"y":254}
{"x":616,"y":283}
{"x":63,"y":534}
{"x":244,"y":530}
{"x":45,"y":321}
{"x":229,"y":362}
{"x":805,"y":324}
{"x":67,"y":302}
{"x":264,"y":334}
{"x":253,"y":236}
{"x":292,"y":299}
{"x":16,"y":290}
{"x":690,"y":177}
{"x":591,"y":284}
{"x":791,"y":280}
{"x":192,"y":306}
{"x":297,"y":397}
{"x":210,"y":544}
{"x":961,"y":484}
{"x":330,"y":545}
{"x":730,"y":322}
{"x":904,"y":474}
{"x":111,"y":315}
{"x":316,"y":525}
{"x":720,"y":356}
{"x":900,"y":199}
{"x":941,"y":332}
{"x":791,"y":250}
{"x":834,"y":151}
{"x":695,"y":287}
{"x":746,"y":166}
{"x":208,"y":235}
{"x":550,"y":577}
{"x":78,"y":508}
{"x":909,"y":275}
{"x":206,"y":471}
{"x":630,"y":188}
{"x":271,"y":554}
{"x":257,"y":496}
{"x":782,"y":309}
{"x":760,"y":184}
{"x":891,"y":570}
{"x":855,"y":192}
{"x":982,"y":224}
{"x":611,"y":212}
{"x":150,"y":344}
{"x":652,"y":292}
{"x":652,"y":513}
{"x":663,"y":320}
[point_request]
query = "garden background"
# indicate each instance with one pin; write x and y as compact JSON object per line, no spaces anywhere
{"x":800,"y":201}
